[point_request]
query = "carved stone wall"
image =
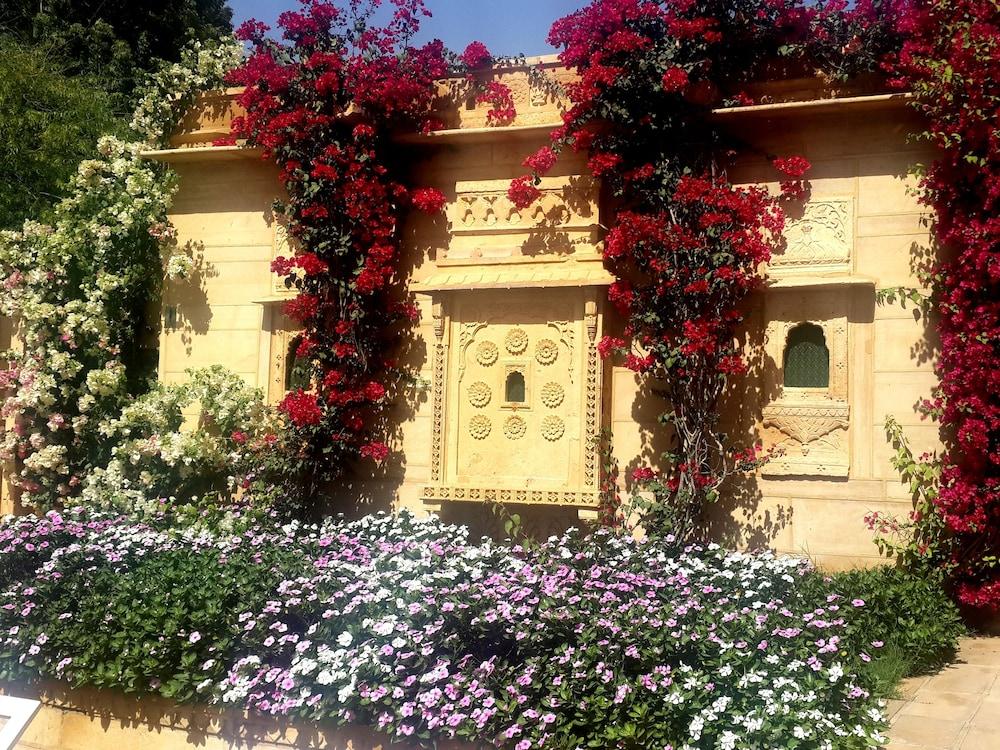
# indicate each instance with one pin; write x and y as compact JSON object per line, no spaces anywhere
{"x":487,"y":227}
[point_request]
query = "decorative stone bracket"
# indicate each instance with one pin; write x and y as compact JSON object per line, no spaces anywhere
{"x":812,"y":433}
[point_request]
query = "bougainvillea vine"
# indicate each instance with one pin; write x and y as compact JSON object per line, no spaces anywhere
{"x":951,"y":62}
{"x":323,"y":103}
{"x":687,"y":245}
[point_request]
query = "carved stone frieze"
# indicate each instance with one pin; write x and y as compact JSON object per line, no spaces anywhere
{"x":811,"y":437}
{"x":822,"y":237}
{"x":438,"y":389}
{"x":486,"y":226}
{"x":807,"y":423}
{"x":436,"y":494}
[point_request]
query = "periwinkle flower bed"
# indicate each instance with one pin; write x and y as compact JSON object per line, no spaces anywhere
{"x":404,"y":625}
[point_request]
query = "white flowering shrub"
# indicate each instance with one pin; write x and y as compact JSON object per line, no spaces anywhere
{"x":79,"y":290}
{"x":182,"y":445}
{"x":403,"y":625}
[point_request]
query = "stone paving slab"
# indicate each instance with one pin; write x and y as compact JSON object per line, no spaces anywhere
{"x":956,"y":709}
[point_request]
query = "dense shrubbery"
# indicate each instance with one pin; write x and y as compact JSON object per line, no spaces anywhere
{"x":80,"y":290}
{"x":406,"y":626}
{"x":185,"y":448}
{"x":911,"y":615}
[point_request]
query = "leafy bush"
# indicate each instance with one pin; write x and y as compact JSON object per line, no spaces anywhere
{"x":404,"y":625}
{"x":910,"y":614}
{"x":157,"y":460}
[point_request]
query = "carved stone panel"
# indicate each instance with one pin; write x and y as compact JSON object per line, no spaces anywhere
{"x":809,"y":427}
{"x":537,"y":435}
{"x":821,"y":239}
{"x":487,"y":227}
{"x":812,"y":433}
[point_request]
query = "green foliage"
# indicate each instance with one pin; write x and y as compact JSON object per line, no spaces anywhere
{"x":118,"y":41}
{"x":50,"y":121}
{"x":169,"y":619}
{"x":910,"y":614}
{"x":68,"y":72}
{"x":921,"y":541}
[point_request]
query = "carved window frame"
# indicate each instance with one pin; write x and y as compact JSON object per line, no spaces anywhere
{"x":450,"y":332}
{"x":520,"y":367}
{"x":814,"y":422}
{"x":280,"y":332}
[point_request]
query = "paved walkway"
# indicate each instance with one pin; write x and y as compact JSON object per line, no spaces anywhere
{"x":956,"y":709}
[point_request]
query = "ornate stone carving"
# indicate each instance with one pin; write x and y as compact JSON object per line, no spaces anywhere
{"x":487,"y":353}
{"x":486,"y":225}
{"x":480,"y":426}
{"x":485,"y":205}
{"x":435,"y":494}
{"x":553,"y":428}
{"x":515,"y":428}
{"x":439,"y":374}
{"x":811,"y":437}
{"x":806,"y":423}
{"x":822,"y":237}
{"x":810,"y":426}
{"x":480,"y":394}
{"x":592,"y":396}
{"x":553,"y":394}
{"x":516,"y":341}
{"x":546,"y":351}
{"x":567,"y":337}
{"x":467,"y":335}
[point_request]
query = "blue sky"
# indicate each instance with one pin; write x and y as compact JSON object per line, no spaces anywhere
{"x":507,"y":27}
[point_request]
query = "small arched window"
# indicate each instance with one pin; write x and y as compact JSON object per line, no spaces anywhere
{"x":807,"y":358}
{"x":296,"y":368}
{"x":514,"y":390}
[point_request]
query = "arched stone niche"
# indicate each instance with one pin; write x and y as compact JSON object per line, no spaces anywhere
{"x":808,"y":421}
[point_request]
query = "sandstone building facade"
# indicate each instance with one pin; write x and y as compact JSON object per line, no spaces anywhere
{"x":513,"y":303}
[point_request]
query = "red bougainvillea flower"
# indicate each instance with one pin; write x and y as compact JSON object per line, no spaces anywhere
{"x":476,"y":55}
{"x":501,"y":100}
{"x":643,"y":474}
{"x":311,"y":264}
{"x":302,"y":408}
{"x":522,"y":191}
{"x":675,"y":79}
{"x":542,"y":160}
{"x":302,"y":308}
{"x":793,"y":166}
{"x":376,"y":451}
{"x":428,"y":200}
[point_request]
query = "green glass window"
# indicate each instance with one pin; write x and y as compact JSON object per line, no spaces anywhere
{"x":296,"y":370}
{"x":515,"y":388}
{"x":807,"y":360}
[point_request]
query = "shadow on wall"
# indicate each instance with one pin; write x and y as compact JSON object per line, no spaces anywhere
{"x":186,"y":304}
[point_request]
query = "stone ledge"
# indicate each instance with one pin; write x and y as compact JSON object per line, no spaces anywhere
{"x":95,"y":719}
